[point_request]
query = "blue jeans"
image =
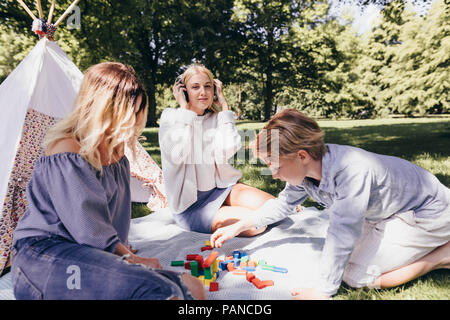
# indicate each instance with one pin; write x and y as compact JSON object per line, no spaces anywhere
{"x":54,"y":268}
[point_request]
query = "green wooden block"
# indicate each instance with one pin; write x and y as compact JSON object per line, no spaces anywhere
{"x":207,"y":273}
{"x":177,"y":263}
{"x":194,"y":268}
{"x":267,"y":267}
{"x":244,"y":259}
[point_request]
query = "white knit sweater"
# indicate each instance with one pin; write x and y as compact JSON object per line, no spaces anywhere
{"x":195,"y":152}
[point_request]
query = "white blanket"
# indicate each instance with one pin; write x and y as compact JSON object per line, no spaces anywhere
{"x":294,"y":243}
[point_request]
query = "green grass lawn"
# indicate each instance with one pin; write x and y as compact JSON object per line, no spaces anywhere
{"x":424,"y":141}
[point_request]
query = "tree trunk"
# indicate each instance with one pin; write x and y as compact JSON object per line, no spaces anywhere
{"x":151,"y":92}
{"x":268,"y":96}
{"x":239,"y":102}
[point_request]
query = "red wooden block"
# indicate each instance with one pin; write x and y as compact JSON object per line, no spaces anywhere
{"x":267,"y":283}
{"x":250,"y":276}
{"x":262,"y":284}
{"x":190,"y":257}
{"x":213,"y":286}
{"x":206,"y":248}
{"x":187,"y":265}
{"x":199,"y":260}
{"x":210,"y":259}
{"x":256,"y":282}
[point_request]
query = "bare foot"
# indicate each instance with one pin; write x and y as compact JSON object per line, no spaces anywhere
{"x":443,"y":252}
{"x":439,"y":258}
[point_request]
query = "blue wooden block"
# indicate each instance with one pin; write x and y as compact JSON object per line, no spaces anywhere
{"x":278,"y":269}
{"x":223,"y":264}
{"x":249,"y":268}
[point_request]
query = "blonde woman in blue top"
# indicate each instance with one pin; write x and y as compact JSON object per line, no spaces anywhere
{"x":389,"y":220}
{"x":72,"y":241}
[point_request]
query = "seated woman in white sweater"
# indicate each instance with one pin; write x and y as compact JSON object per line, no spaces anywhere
{"x":196,"y":140}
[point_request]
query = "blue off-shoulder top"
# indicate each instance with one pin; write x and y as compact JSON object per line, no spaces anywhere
{"x":68,"y":197}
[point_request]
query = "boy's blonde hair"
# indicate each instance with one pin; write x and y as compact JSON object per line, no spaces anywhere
{"x":111,"y":106}
{"x":196,"y":69}
{"x":293,"y":131}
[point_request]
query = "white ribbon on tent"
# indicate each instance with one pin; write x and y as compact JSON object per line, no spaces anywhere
{"x":46,"y":81}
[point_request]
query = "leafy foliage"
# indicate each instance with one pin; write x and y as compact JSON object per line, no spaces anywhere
{"x":269,"y":54}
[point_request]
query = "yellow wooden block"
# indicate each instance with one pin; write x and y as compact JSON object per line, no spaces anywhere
{"x":208,"y":243}
{"x":215,"y":266}
{"x":206,"y":282}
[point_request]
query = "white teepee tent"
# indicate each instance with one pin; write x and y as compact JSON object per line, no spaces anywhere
{"x":41,"y":90}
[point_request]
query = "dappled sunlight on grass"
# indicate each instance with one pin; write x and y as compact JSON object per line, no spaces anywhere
{"x":433,"y":286}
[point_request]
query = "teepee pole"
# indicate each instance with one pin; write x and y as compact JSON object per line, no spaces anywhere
{"x":50,"y":14}
{"x":69,"y":9}
{"x":39,"y":6}
{"x":27,"y":10}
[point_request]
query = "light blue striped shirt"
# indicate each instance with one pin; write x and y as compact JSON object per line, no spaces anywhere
{"x":357,"y":185}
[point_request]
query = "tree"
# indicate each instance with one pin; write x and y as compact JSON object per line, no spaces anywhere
{"x":17,"y":38}
{"x":331,"y":49}
{"x":269,"y":55}
{"x":159,"y":37}
{"x":423,"y":63}
{"x":372,"y":78}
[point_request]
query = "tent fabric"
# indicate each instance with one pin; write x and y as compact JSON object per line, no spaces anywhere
{"x":145,"y":170}
{"x":45,"y":84}
{"x":34,"y":129}
{"x":46,"y":81}
{"x":46,"y":64}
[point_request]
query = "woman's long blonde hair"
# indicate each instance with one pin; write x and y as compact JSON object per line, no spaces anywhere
{"x":197,"y":68}
{"x":111,"y":107}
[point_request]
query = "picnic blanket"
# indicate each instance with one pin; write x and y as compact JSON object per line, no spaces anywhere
{"x":294,"y":243}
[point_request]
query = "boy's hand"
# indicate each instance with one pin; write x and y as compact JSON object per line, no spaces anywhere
{"x":223,"y":234}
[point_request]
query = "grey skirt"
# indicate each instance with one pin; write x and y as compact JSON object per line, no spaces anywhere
{"x":200,"y":215}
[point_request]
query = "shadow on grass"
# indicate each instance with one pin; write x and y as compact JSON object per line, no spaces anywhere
{"x":401,"y":140}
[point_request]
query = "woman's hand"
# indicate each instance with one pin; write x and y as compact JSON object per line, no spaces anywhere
{"x":148,"y":262}
{"x":129,"y":254}
{"x":221,"y":101}
{"x":223,"y":234}
{"x":308,"y":294}
{"x":178,"y":92}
